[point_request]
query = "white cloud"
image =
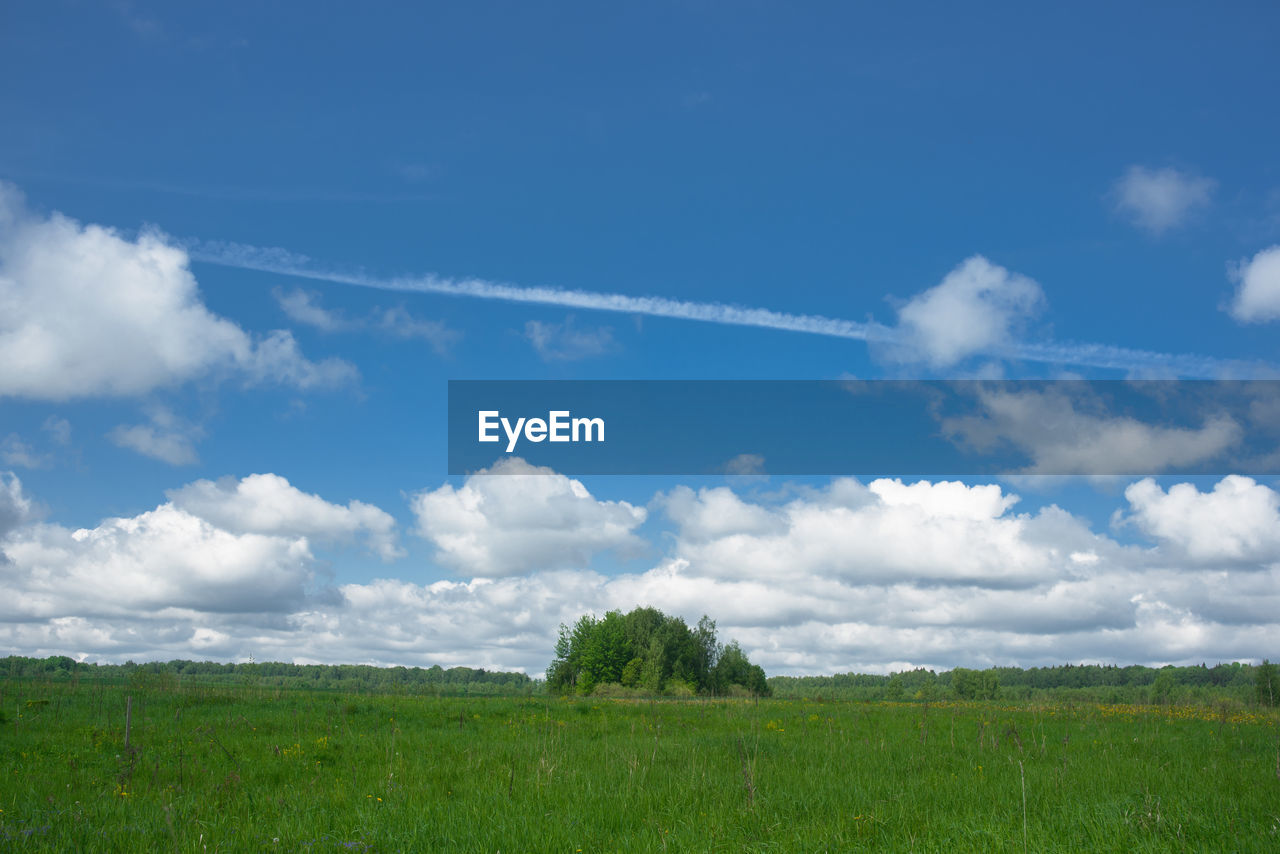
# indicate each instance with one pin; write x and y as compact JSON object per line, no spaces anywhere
{"x":399,"y":322}
{"x":162,"y":559}
{"x":875,"y":577}
{"x":167,"y":437}
{"x":1060,"y":438}
{"x":1257,"y":296}
{"x":304,"y":307}
{"x":515,"y":518}
{"x":1238,"y":522}
{"x":269,"y":504}
{"x":977,"y":308}
{"x":931,"y":533}
{"x":15,"y":507}
{"x":710,"y":514}
{"x":564,"y":342}
{"x":1157,"y":200}
{"x":85,"y":312}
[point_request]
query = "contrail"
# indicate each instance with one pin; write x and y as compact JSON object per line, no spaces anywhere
{"x":1144,"y":363}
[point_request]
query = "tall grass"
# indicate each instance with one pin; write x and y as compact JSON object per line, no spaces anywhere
{"x":292,"y":770}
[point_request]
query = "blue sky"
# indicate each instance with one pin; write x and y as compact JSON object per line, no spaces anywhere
{"x":214,"y":444}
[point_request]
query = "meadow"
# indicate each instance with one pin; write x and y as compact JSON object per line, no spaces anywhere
{"x":268,"y":769}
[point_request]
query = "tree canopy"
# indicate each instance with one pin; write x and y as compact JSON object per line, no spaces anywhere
{"x":648,"y":651}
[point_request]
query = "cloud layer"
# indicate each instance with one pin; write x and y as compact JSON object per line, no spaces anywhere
{"x":849,"y":576}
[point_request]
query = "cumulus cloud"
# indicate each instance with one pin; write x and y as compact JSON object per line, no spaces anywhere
{"x":944,"y":533}
{"x":1238,"y":522}
{"x":269,"y":504}
{"x":1257,"y":297}
{"x":86,"y":312}
{"x":161,"y":559}
{"x":304,"y":307}
{"x":239,"y":549}
{"x":977,"y":308}
{"x":1063,"y":434}
{"x":166,"y":437}
{"x":1160,"y":199}
{"x":709,"y":514}
{"x":515,"y":518}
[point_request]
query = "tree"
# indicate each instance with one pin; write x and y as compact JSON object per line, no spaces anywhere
{"x":1267,"y":680}
{"x":647,"y":649}
{"x":605,"y":652}
{"x":733,"y":668}
{"x":1163,"y":688}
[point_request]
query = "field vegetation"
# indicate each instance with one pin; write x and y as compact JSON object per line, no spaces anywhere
{"x":100,"y":764}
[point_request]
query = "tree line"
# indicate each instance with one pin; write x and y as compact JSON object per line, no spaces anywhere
{"x":276,"y":674}
{"x":1084,"y":682}
{"x":648,"y":652}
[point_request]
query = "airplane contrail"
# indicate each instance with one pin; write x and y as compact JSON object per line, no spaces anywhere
{"x":1146,"y":363}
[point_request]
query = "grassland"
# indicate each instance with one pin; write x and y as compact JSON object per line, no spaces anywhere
{"x":256,"y":769}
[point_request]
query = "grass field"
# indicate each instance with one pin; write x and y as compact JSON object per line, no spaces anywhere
{"x":256,"y":769}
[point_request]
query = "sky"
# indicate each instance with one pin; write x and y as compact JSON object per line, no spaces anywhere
{"x":244,"y":247}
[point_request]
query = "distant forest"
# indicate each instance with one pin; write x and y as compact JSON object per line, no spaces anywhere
{"x":274,"y":674}
{"x":1099,"y":683}
{"x":1243,"y":683}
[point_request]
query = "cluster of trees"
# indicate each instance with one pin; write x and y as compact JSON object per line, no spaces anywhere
{"x":345,"y":677}
{"x":650,"y":652}
{"x":1089,"y":682}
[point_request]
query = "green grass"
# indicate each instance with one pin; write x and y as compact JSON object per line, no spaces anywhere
{"x":250,"y":770}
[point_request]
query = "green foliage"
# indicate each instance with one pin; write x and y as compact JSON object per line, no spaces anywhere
{"x":975,"y":684}
{"x":651,"y":652}
{"x":1164,"y":689}
{"x":733,"y":668}
{"x":1267,"y":681}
